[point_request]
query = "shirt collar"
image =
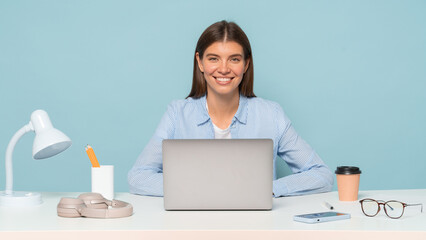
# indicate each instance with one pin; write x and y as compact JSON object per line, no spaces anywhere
{"x":242,"y":111}
{"x":201,"y":106}
{"x":240,"y":116}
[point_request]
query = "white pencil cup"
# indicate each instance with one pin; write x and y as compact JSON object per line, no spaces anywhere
{"x":103,"y":181}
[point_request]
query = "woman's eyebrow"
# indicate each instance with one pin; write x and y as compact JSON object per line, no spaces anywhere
{"x":212,"y":54}
{"x":233,"y":55}
{"x":236,"y":55}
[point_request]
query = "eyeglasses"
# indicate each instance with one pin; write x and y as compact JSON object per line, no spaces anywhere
{"x":393,"y":209}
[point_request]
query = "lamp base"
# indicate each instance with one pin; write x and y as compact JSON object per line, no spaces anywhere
{"x":19,"y":199}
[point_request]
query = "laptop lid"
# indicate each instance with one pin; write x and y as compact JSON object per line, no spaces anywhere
{"x":218,"y":174}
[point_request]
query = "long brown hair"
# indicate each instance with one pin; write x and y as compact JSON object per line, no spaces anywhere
{"x":218,"y":32}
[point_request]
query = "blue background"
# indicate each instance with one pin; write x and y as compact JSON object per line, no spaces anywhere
{"x":351,"y":75}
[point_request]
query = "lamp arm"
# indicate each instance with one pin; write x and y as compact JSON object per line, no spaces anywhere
{"x":9,"y":151}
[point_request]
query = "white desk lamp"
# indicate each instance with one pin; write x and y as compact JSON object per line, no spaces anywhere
{"x":47,"y":143}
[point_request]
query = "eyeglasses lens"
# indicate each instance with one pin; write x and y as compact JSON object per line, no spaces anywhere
{"x":394,"y":209}
{"x":370,"y":207}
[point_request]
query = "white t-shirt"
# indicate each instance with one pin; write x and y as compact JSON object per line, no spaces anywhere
{"x":221,"y":133}
{"x":218,"y":132}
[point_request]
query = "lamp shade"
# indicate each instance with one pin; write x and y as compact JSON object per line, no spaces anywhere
{"x":48,"y":140}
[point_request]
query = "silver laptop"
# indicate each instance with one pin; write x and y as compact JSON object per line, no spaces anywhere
{"x":218,"y":174}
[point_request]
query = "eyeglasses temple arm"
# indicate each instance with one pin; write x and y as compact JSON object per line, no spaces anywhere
{"x":417,"y":204}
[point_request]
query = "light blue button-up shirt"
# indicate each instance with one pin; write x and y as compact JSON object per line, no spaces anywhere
{"x":255,"y":118}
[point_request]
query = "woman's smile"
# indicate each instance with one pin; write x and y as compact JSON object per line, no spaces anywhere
{"x":223,"y":80}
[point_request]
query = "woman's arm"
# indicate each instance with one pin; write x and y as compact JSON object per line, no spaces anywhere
{"x":146,"y":176}
{"x":310,"y":174}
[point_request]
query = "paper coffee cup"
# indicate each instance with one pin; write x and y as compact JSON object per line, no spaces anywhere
{"x":103,"y":181}
{"x":348,"y":178}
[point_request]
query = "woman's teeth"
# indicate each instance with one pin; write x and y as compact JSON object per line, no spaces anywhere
{"x":223,"y":79}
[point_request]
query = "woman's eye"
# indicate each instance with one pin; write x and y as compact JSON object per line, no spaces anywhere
{"x":213,"y":59}
{"x":235,"y":59}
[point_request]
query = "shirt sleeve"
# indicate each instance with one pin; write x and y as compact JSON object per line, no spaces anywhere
{"x":146,"y":176}
{"x":310,"y":174}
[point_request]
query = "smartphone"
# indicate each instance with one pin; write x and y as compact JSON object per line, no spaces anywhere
{"x":321,"y":217}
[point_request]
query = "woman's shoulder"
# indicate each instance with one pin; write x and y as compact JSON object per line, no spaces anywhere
{"x":264,"y":107}
{"x":261,"y":103}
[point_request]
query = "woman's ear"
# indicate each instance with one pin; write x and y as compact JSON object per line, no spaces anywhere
{"x":200,"y":65}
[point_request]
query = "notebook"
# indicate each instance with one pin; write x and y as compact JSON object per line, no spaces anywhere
{"x":218,"y":174}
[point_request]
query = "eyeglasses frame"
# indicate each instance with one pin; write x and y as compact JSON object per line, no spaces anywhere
{"x":381,"y":202}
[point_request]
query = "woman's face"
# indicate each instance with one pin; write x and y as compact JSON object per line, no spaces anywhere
{"x":223,"y":66}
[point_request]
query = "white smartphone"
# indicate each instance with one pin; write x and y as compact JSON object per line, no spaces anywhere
{"x":321,"y":217}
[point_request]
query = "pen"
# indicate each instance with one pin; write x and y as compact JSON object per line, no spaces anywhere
{"x":92,"y":156}
{"x":328,"y":205}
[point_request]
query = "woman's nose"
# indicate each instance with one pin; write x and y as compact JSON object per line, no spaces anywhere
{"x":223,"y":68}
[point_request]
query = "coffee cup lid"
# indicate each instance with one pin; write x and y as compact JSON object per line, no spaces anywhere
{"x":347,"y":170}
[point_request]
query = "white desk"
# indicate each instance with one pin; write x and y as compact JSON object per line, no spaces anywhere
{"x":151,"y":221}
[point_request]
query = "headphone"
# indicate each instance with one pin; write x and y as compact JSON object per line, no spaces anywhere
{"x":93,"y":205}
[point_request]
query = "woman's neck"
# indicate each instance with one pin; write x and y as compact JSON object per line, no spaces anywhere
{"x":222,"y":108}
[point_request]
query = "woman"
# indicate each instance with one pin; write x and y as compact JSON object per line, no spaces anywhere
{"x":222,"y":104}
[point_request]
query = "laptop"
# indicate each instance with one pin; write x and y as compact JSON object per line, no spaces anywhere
{"x":218,"y":174}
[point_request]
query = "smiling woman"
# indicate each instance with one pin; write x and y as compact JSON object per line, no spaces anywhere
{"x":221,"y":105}
{"x":223,"y":64}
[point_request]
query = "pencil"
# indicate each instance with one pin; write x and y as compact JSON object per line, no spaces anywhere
{"x":92,"y":156}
